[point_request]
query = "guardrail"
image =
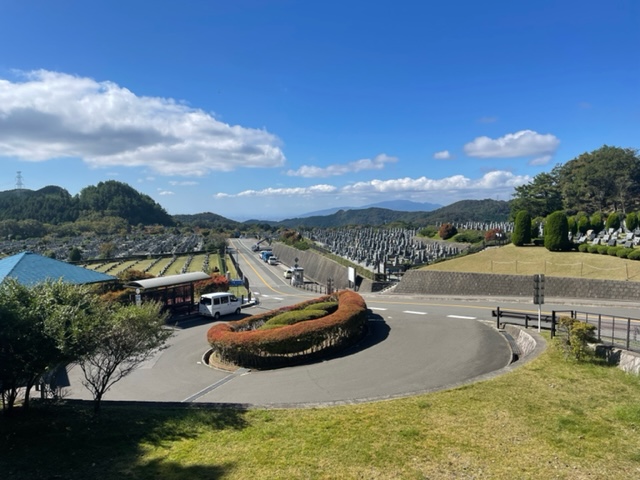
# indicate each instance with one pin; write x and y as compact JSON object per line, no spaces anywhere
{"x":613,"y":330}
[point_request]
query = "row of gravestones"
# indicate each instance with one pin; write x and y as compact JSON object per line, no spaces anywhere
{"x":610,"y":237}
{"x":124,"y":246}
{"x":374,"y":248}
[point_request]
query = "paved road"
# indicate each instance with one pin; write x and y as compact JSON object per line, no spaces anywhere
{"x":414,"y":345}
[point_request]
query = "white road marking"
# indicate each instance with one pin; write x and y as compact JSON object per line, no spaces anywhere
{"x":377,"y":308}
{"x":414,"y":313}
{"x":461,"y":316}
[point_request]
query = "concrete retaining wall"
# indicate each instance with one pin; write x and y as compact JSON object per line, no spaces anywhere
{"x":430,"y":282}
{"x":526,"y":343}
{"x":318,"y":268}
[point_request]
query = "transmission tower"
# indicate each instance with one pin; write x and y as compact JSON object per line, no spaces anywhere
{"x":19,"y":184}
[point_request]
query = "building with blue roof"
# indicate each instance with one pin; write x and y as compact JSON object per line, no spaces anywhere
{"x":29,"y":269}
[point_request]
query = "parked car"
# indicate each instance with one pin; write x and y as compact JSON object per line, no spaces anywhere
{"x":218,"y":304}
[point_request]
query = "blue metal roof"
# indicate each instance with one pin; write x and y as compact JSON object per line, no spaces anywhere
{"x":30,"y":268}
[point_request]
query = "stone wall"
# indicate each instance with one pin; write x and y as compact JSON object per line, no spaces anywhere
{"x":431,"y":282}
{"x":318,"y":268}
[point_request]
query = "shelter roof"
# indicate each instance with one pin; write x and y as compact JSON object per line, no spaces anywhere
{"x":169,"y":280}
{"x":29,"y":268}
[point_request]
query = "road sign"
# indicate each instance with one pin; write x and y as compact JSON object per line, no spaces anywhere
{"x":538,"y":289}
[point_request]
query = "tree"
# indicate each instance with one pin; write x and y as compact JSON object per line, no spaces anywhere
{"x":631,"y":221}
{"x":75,"y":254}
{"x":596,"y":222}
{"x":556,"y":232}
{"x":522,"y":229}
{"x":447,"y":231}
{"x":540,"y":197}
{"x":127,"y":336}
{"x":613,"y":221}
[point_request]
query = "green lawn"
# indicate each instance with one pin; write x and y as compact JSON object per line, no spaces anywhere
{"x":514,"y":260}
{"x":551,"y":418}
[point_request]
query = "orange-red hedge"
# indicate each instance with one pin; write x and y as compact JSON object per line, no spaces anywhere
{"x":241,"y":344}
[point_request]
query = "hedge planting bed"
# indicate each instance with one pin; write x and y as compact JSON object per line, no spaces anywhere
{"x":243,"y":343}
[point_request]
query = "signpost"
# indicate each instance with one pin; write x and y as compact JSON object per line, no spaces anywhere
{"x":538,"y":293}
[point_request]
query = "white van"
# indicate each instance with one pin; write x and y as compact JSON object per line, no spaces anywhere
{"x":219,"y":303}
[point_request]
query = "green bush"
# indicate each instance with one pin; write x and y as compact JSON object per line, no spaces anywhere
{"x":583,"y":222}
{"x":631,"y":221}
{"x":593,"y":248}
{"x":522,"y":229}
{"x":577,"y":337}
{"x":583,"y":247}
{"x":292,"y":317}
{"x":469,"y":236}
{"x":556,"y":232}
{"x":635,"y":255}
{"x":624,"y":252}
{"x":613,"y":221}
{"x":329,"y":307}
{"x":613,"y":251}
{"x":597,"y":224}
{"x":603,"y":249}
{"x":428,"y":231}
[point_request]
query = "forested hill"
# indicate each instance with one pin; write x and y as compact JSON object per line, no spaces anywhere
{"x":54,"y":205}
{"x":207,"y":220}
{"x":463,"y":211}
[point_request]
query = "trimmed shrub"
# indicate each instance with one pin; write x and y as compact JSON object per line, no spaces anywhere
{"x":613,"y":221}
{"x":446,"y":231}
{"x":624,"y":252}
{"x":613,"y":251}
{"x":582,"y":219}
{"x":583,"y":247}
{"x":635,"y":255}
{"x":295,"y":316}
{"x":603,"y":249}
{"x":556,"y":232}
{"x":631,"y":221}
{"x":522,"y":229}
{"x":469,"y":236}
{"x":593,"y":248}
{"x":240,"y":342}
{"x":330,"y":307}
{"x":597,"y":224}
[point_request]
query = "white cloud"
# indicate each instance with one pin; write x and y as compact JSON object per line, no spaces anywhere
{"x":443,"y":155}
{"x":543,"y":160}
{"x":458,"y":185}
{"x":165,"y":192}
{"x":186,"y":183}
{"x":310,"y":171}
{"x":277,"y":192}
{"x":53,"y":115}
{"x":524,"y":143}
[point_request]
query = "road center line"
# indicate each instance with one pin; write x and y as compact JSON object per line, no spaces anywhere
{"x":377,"y":308}
{"x":204,"y":391}
{"x":414,"y":313}
{"x":461,"y":316}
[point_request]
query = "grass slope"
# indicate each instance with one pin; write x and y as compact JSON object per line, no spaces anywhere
{"x":514,"y":260}
{"x":551,"y":418}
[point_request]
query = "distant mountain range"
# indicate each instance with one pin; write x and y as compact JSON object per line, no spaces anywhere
{"x":397,"y":205}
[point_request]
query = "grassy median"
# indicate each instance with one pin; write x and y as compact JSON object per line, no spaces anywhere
{"x":551,"y":418}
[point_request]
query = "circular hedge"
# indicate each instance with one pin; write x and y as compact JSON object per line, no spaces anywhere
{"x":244,"y":344}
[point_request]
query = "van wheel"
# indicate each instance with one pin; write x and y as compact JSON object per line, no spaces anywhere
{"x":238,"y":311}
{"x":216,"y":316}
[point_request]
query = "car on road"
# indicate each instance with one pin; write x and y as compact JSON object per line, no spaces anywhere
{"x":273,"y":260}
{"x":217,"y":304}
{"x":288,"y":273}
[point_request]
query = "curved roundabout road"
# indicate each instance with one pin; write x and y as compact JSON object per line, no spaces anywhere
{"x":413,"y":346}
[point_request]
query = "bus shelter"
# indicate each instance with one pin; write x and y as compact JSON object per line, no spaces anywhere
{"x":176,"y":293}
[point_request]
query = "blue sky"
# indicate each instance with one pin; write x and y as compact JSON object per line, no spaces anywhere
{"x":270,"y":108}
